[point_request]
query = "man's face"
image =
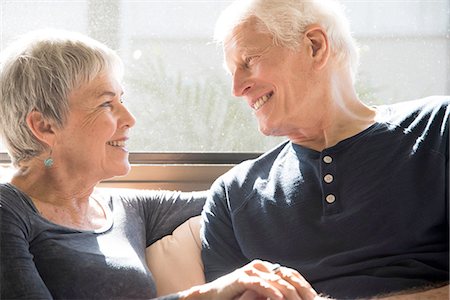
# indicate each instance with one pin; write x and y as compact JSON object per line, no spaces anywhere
{"x":278,"y":83}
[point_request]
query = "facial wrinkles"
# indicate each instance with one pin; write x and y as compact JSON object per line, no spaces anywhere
{"x":238,"y":48}
{"x":92,"y":105}
{"x":288,"y":105}
{"x":86,"y":126}
{"x":260,"y":52}
{"x":235,"y":45}
{"x":92,"y":117}
{"x":231,"y":50}
{"x":86,"y":105}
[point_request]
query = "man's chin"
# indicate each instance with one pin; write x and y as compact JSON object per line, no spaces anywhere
{"x":267,"y":130}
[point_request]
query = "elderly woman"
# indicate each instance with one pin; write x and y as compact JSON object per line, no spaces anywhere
{"x":65,"y":127}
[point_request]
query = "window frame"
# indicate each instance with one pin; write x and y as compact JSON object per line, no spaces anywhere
{"x":183,"y":171}
{"x":178,"y":158}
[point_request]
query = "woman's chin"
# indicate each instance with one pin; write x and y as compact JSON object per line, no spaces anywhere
{"x":121,"y":171}
{"x":126,"y":170}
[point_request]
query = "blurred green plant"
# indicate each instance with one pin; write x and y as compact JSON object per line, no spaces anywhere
{"x":183,"y":112}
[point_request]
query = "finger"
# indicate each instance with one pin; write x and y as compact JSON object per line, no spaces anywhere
{"x":285,"y":287}
{"x":302,"y":286}
{"x":233,"y":286}
{"x":261,"y":287}
{"x":288,"y":290}
{"x":284,"y":272}
{"x":263,"y":266}
{"x":250,"y":295}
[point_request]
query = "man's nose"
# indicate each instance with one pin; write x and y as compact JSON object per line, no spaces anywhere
{"x":242,"y":83}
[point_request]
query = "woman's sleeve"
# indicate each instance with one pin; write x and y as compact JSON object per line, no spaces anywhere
{"x":166,"y":210}
{"x":18,"y":274}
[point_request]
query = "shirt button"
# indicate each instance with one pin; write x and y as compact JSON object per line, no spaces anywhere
{"x":327,"y":159}
{"x":330,"y":198}
{"x":328,"y":178}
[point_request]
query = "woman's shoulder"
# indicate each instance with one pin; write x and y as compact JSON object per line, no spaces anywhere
{"x":15,"y":206}
{"x":10,"y":195}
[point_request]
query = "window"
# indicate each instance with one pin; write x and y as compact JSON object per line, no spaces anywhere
{"x":175,"y":84}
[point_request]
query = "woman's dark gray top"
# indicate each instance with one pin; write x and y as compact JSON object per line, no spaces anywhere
{"x":43,"y":260}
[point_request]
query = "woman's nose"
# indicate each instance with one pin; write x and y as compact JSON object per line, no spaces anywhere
{"x":128,"y":119}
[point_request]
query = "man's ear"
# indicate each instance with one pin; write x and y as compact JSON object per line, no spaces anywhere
{"x":42,"y":128}
{"x":319,"y":49}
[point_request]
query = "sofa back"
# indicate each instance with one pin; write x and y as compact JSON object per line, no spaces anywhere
{"x":175,"y":260}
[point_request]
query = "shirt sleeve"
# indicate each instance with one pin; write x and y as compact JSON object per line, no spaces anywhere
{"x":221,"y":252}
{"x":164,"y":211}
{"x":18,"y":276}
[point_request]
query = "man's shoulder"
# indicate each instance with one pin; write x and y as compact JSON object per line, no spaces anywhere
{"x":421,"y":114}
{"x":423,"y":122}
{"x":256,"y":167}
{"x":424,"y":108}
{"x":425,"y":104}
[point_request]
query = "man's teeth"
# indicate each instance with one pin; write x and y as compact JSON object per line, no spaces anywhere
{"x":116,"y":143}
{"x":260,"y":102}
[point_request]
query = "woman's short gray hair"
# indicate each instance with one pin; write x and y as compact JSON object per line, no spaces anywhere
{"x":37,"y":73}
{"x":286,"y":20}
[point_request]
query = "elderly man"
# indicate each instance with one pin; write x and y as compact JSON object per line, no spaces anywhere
{"x":357,"y":199}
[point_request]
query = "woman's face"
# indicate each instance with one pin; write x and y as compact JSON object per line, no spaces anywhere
{"x":93,"y":140}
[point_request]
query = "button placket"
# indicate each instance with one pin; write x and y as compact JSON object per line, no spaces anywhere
{"x":329,"y":185}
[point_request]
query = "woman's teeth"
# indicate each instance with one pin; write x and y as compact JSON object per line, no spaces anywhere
{"x":116,"y":143}
{"x":260,"y":102}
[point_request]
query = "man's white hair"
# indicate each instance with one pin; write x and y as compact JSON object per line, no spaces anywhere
{"x":286,"y":20}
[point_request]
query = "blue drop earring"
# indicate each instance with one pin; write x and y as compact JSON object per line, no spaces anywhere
{"x":48,"y":162}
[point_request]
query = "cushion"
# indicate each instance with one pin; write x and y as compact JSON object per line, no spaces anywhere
{"x":175,"y":260}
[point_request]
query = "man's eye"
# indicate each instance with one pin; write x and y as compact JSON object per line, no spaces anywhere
{"x":249,"y":60}
{"x":106,"y":104}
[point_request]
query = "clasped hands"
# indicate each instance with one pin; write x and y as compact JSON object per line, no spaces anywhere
{"x":258,"y":280}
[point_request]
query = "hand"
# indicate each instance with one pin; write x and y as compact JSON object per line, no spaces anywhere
{"x":255,"y":281}
{"x":303,"y":288}
{"x":250,"y":295}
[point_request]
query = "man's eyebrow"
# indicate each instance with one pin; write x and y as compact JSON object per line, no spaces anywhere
{"x":247,"y":49}
{"x":251,"y":48}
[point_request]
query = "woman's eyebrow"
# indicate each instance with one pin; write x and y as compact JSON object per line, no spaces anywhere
{"x":107,"y":93}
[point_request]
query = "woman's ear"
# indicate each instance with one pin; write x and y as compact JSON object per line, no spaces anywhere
{"x":41,"y":127}
{"x":319,"y":50}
